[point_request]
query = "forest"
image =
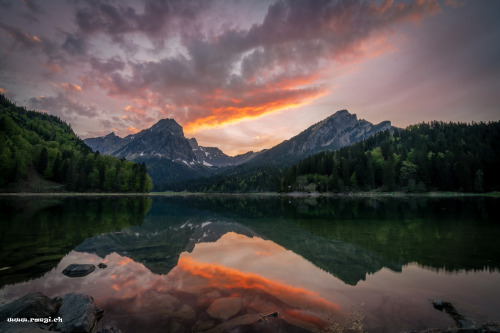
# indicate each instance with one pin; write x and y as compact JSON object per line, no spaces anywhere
{"x":433,"y":156}
{"x":35,"y":142}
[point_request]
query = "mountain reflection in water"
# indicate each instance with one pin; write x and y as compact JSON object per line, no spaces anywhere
{"x":221,"y":285}
{"x":220,"y":263}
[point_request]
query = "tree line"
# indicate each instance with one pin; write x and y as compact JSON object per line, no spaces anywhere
{"x":238,"y":180}
{"x":33,"y":141}
{"x":433,"y":156}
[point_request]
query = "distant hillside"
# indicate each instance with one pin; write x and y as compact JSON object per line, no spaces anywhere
{"x":40,"y":152}
{"x":176,"y":162}
{"x":432,"y":156}
{"x":167,"y":153}
{"x":264,"y":170}
{"x":338,"y":130}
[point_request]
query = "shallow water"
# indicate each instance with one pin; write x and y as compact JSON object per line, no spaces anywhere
{"x":221,"y":263}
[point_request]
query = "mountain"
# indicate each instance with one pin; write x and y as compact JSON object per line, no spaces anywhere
{"x":171,"y":157}
{"x":168,"y":154}
{"x":434,"y":156}
{"x":106,"y":144}
{"x":339,"y":130}
{"x":164,"y":139}
{"x":213,"y":156}
{"x":264,"y":171}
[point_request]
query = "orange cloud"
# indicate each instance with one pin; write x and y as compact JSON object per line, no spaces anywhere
{"x":132,"y":130}
{"x":136,"y":111}
{"x":3,"y":91}
{"x":236,"y":110}
{"x":377,"y":46}
{"x":221,"y":277}
{"x":71,"y":87}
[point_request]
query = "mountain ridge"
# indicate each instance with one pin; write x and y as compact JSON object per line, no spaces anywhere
{"x":171,"y":157}
{"x":334,"y":132}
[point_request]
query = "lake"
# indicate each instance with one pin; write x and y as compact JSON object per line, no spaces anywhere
{"x":222,"y":263}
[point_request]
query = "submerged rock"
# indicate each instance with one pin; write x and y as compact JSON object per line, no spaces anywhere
{"x":79,"y":314}
{"x":78,"y":270}
{"x":462,"y":323}
{"x":460,"y":320}
{"x":485,"y":328}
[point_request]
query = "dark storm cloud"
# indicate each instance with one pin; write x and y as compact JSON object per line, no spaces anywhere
{"x":64,"y":106}
{"x":75,"y":44}
{"x":39,"y":46}
{"x":107,"y":66}
{"x":5,"y":4}
{"x":117,"y":19}
{"x":21,"y":38}
{"x":232,"y":74}
{"x":33,"y":7}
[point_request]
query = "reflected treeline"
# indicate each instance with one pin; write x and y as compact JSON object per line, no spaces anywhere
{"x":347,"y":237}
{"x":36,"y":232}
{"x":353,"y":237}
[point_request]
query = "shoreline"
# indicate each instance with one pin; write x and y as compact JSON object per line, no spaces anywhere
{"x":259,"y":194}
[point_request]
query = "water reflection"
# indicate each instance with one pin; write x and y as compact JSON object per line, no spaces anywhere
{"x":207,"y":263}
{"x":36,"y":232}
{"x":221,"y":285}
{"x":346,"y":237}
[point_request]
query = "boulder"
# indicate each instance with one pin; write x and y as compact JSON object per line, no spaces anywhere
{"x":78,"y":270}
{"x":35,"y":305}
{"x":79,"y":314}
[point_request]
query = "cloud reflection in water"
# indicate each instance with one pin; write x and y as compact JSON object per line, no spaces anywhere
{"x":262,"y":275}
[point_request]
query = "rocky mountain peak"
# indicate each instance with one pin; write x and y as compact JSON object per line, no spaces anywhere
{"x":167,"y":126}
{"x":194,"y":143}
{"x":171,"y":156}
{"x":338,"y":130}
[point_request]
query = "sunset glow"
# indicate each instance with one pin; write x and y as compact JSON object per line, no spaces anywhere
{"x":226,"y":115}
{"x":227,"y":278}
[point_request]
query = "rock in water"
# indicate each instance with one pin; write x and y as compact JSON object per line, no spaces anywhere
{"x":79,"y":314}
{"x":35,"y":305}
{"x":78,"y":270}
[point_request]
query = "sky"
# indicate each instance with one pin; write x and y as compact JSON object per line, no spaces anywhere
{"x":245,"y":75}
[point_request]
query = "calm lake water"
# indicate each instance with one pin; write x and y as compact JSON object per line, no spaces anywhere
{"x":218,"y":263}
